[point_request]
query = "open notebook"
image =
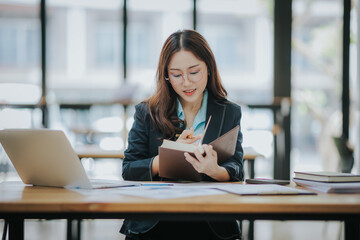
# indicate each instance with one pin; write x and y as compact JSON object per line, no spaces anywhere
{"x":172,"y":162}
{"x":46,"y":158}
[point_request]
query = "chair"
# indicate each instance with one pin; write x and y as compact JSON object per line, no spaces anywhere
{"x":346,"y":155}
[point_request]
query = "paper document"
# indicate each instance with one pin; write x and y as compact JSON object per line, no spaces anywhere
{"x":263,"y":189}
{"x":159,"y":190}
{"x":168,"y":193}
{"x":166,"y":190}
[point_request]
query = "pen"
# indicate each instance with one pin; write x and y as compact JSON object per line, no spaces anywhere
{"x":202,"y":137}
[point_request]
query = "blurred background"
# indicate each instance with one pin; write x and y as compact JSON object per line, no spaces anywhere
{"x":81,"y":66}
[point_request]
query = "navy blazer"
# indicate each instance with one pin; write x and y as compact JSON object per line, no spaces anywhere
{"x":144,"y":141}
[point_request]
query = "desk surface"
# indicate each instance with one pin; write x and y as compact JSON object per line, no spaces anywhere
{"x":16,"y":197}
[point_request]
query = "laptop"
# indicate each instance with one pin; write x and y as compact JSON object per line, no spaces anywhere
{"x":46,"y":158}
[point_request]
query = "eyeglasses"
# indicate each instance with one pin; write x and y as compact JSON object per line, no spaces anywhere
{"x":193,"y":76}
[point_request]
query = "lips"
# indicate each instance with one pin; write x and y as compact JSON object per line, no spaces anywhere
{"x":189,"y":92}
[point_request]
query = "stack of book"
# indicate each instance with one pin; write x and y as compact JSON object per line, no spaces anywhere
{"x":328,"y":182}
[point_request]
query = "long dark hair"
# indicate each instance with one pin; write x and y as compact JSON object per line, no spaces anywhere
{"x":163,"y":103}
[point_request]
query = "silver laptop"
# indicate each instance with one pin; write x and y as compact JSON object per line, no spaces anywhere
{"x":46,"y":158}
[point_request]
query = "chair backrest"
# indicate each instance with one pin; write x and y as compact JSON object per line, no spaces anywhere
{"x":345,"y":153}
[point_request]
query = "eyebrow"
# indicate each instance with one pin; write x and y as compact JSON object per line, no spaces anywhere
{"x":188,"y":67}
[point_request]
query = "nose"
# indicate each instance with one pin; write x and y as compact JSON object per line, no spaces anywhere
{"x":186,"y":79}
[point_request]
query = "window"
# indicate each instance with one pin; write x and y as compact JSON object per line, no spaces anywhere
{"x":354,"y":126}
{"x":240,"y":34}
{"x":19,"y":42}
{"x":150,"y":23}
{"x":85,"y":50}
{"x":19,"y":63}
{"x":316,"y":83}
{"x":104,"y":31}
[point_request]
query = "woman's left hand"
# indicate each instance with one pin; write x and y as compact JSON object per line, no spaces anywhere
{"x":208,"y":164}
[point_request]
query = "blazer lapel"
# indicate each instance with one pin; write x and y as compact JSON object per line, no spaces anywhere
{"x":217,"y":112}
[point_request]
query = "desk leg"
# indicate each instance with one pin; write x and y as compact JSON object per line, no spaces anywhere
{"x":251,"y":230}
{"x":352,"y":230}
{"x":251,"y":168}
{"x":251,"y":171}
{"x":16,"y":229}
{"x":73,"y":229}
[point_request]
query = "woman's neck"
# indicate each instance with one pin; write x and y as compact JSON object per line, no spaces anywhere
{"x":190,"y":111}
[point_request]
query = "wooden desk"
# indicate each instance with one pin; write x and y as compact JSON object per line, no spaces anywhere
{"x":19,"y":202}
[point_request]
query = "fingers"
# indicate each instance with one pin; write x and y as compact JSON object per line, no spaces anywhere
{"x":203,"y":163}
{"x":187,"y":136}
{"x":209,"y":150}
{"x":197,"y":137}
{"x":193,"y":161}
{"x":198,"y":154}
{"x":188,"y":133}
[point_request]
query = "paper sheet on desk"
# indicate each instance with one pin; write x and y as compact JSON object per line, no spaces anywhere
{"x":261,"y":189}
{"x":158,"y":190}
{"x":178,"y":190}
{"x":168,"y":193}
{"x":161,"y":190}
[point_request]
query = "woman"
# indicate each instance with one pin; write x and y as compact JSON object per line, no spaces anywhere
{"x":188,"y":91}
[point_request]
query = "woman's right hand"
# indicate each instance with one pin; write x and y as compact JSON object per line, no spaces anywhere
{"x":187,"y":136}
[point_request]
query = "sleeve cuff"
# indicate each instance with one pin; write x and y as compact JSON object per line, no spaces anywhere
{"x":150,"y":169}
